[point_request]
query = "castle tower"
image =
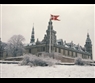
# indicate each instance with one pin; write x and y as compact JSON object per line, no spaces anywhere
{"x":88,"y":45}
{"x":53,"y":34}
{"x":32,"y":36}
{"x":47,"y":37}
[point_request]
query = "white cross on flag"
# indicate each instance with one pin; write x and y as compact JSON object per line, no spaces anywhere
{"x":55,"y":17}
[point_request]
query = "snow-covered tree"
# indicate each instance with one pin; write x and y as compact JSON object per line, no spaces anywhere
{"x":15,"y":45}
{"x":79,"y":61}
{"x":33,"y":60}
{"x":2,"y":48}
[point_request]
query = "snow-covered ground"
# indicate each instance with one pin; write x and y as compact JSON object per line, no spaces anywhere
{"x":57,"y":71}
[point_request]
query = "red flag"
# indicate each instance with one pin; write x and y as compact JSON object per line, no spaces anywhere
{"x":55,"y":17}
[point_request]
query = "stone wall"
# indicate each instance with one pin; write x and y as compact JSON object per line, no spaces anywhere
{"x":64,"y":59}
{"x":70,"y":53}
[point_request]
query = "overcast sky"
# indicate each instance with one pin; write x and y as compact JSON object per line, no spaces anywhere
{"x":75,"y":21}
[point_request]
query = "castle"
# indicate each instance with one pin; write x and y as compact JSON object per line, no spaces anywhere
{"x":59,"y":46}
{"x":67,"y":50}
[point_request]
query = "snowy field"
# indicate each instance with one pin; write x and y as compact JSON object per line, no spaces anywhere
{"x":57,"y":71}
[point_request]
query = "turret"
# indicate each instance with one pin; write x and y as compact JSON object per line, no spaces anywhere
{"x":88,"y":45}
{"x":53,"y":33}
{"x":32,"y":36}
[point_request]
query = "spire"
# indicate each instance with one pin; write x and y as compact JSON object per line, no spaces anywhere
{"x":50,"y":36}
{"x":88,"y":45}
{"x":88,"y":38}
{"x":50,"y":25}
{"x":32,"y":35}
{"x":50,"y":22}
{"x":71,"y":43}
{"x":37,"y":40}
{"x":33,"y":30}
{"x":87,"y":35}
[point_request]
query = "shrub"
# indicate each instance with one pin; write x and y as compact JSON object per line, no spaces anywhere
{"x":25,"y":60}
{"x":30,"y":64}
{"x":79,"y":61}
{"x":33,"y":60}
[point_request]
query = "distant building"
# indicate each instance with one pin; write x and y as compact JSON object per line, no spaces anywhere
{"x":68,"y":50}
{"x":59,"y":46}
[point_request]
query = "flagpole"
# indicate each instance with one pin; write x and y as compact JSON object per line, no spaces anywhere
{"x":53,"y":17}
{"x":50,"y":40}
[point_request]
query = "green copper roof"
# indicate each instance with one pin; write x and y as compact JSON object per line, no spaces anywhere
{"x":88,"y":38}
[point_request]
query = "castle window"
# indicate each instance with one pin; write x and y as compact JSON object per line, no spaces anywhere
{"x":55,"y":49}
{"x":88,"y":57}
{"x":82,"y":55}
{"x":72,"y":54}
{"x":6,"y":54}
{"x":68,"y":52}
{"x":1,"y":53}
{"x":76,"y":54}
{"x":43,"y":48}
{"x":29,"y":50}
{"x":37,"y":50}
{"x":63,"y":52}
{"x":59,"y":43}
{"x":59,"y":50}
{"x":51,"y":47}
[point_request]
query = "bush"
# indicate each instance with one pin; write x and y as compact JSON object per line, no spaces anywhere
{"x":79,"y":61}
{"x":25,"y":60}
{"x":33,"y":60}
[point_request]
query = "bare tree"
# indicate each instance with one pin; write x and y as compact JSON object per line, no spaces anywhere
{"x":2,"y":47}
{"x":15,"y":45}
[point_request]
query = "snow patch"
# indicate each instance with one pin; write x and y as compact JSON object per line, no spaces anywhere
{"x":57,"y":71}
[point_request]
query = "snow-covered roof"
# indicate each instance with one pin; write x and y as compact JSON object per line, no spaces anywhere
{"x":66,"y":46}
{"x":59,"y":40}
{"x":32,"y":44}
{"x":71,"y":45}
{"x":26,"y":44}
